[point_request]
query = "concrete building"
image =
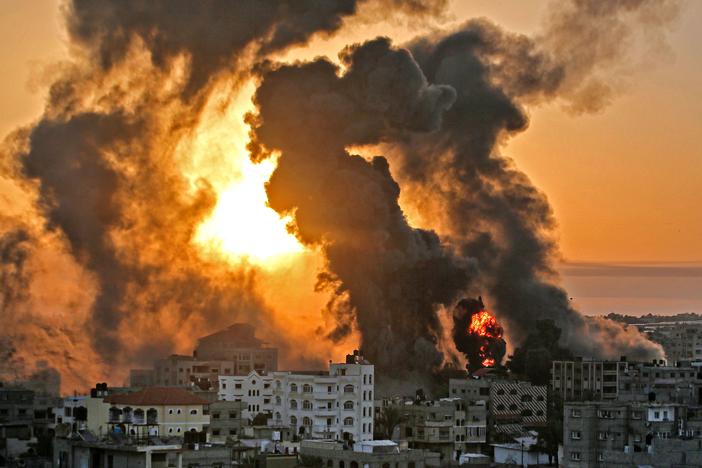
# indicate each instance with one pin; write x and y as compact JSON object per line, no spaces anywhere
{"x":72,"y":411}
{"x":232,"y":351}
{"x":521,"y":451}
{"x":226,"y":420}
{"x":587,"y":379}
{"x":337,"y":404}
{"x":513,"y":406}
{"x":365,"y":454}
{"x":449,"y":427}
{"x":681,"y":341}
{"x":593,"y":429}
{"x":16,"y":422}
{"x":583,"y":379}
{"x":152,"y":411}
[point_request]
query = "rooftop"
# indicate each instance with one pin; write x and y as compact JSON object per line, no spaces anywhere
{"x":156,"y":396}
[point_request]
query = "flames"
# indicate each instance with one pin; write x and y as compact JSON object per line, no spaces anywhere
{"x":485,"y":326}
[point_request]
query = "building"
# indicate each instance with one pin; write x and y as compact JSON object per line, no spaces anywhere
{"x":232,"y":351}
{"x":16,"y":422}
{"x":583,"y":379}
{"x":167,"y":411}
{"x":513,"y":406}
{"x":597,"y":430}
{"x":337,"y":404}
{"x":522,"y":451}
{"x":226,"y":420}
{"x":587,"y":379}
{"x":365,"y":454}
{"x":681,"y":341}
{"x":449,"y":427}
{"x":72,"y":411}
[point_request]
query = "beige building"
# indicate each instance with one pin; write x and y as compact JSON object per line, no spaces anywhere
{"x":152,"y":411}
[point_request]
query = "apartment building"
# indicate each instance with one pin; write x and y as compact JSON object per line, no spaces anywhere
{"x":513,"y":406}
{"x":587,"y":379}
{"x":449,"y":426}
{"x":681,"y":341}
{"x":583,"y":379}
{"x":232,"y":351}
{"x":597,"y":430}
{"x":337,"y":404}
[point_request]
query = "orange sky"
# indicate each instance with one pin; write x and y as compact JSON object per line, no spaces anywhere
{"x":625,"y":184}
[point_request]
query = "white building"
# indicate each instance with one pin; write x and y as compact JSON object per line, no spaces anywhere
{"x":337,"y":404}
{"x":73,"y":411}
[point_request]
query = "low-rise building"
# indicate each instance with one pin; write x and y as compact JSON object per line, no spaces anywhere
{"x":226,"y":421}
{"x":449,"y":427}
{"x":16,"y":421}
{"x":365,"y":454}
{"x":167,"y":411}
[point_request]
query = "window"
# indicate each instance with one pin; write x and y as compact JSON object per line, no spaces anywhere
{"x":348,"y":405}
{"x":306,"y":421}
{"x":293,"y":421}
{"x":575,"y":413}
{"x":293,"y":387}
{"x":307,"y":405}
{"x":293,"y":404}
{"x":602,"y":435}
{"x":193,"y":411}
{"x":307,"y":388}
{"x":348,"y":388}
{"x":215,"y":415}
{"x":215,"y":432}
{"x":232,"y":431}
{"x":575,"y":435}
{"x":575,"y":456}
{"x":232,"y":415}
{"x":237,"y":386}
{"x":277,"y":400}
{"x":348,"y":421}
{"x":600,"y":457}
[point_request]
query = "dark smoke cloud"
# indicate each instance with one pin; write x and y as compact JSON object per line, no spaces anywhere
{"x":391,"y":276}
{"x":101,"y":166}
{"x":493,"y":213}
{"x":485,"y":208}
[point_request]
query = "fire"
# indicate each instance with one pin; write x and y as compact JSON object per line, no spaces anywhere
{"x":242,"y":227}
{"x":485,"y":325}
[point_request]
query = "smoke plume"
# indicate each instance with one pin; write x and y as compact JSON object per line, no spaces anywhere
{"x":100,"y":270}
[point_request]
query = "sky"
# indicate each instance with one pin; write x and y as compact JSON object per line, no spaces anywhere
{"x":625,"y":183}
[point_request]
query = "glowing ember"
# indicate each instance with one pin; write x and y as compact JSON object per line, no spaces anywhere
{"x":484,"y":325}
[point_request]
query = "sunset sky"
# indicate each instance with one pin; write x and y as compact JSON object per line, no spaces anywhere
{"x":625,"y":182}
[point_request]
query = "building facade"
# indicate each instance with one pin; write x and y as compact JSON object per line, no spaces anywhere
{"x":450,"y":426}
{"x":337,"y":404}
{"x":166,"y":411}
{"x":596,"y":431}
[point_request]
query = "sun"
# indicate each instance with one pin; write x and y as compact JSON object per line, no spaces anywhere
{"x":243,"y":226}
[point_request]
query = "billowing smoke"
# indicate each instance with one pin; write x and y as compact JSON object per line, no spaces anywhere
{"x":107,"y":172}
{"x":100,"y":269}
{"x":439,"y":109}
{"x":477,"y":334}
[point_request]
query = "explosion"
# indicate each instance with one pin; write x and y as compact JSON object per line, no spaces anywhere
{"x":176,"y":157}
{"x":484,"y":325}
{"x":478,"y":335}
